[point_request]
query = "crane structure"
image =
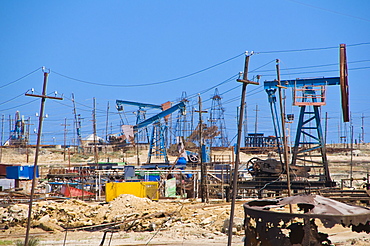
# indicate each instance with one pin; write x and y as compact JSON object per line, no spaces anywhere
{"x":143,"y":135}
{"x":217,"y":121}
{"x":157,"y":145}
{"x":309,"y":95}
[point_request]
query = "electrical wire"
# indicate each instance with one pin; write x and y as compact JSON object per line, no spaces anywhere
{"x":20,"y":78}
{"x":324,"y":71}
{"x":313,"y":66}
{"x":210,"y":88}
{"x":329,"y":10}
{"x":21,"y":104}
{"x":250,"y":93}
{"x":254,"y":70}
{"x":22,"y":94}
{"x":89,"y":107}
{"x":154,"y":83}
{"x":308,"y":49}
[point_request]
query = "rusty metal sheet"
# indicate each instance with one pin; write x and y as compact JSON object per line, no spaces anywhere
{"x":265,"y":224}
{"x":316,"y":206}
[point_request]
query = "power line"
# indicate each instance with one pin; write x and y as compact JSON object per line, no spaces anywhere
{"x":308,"y":49}
{"x":227,"y":80}
{"x":313,"y":66}
{"x":20,"y":105}
{"x":324,"y":71}
{"x":22,"y":94}
{"x":20,"y":78}
{"x":210,"y":88}
{"x":329,"y":10}
{"x":154,"y":83}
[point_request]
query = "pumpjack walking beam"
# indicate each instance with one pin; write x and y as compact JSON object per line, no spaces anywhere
{"x":142,"y":136}
{"x":159,"y":129}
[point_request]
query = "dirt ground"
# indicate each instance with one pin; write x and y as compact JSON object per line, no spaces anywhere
{"x":184,"y":222}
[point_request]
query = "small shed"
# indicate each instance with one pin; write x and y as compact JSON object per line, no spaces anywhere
{"x":89,"y":140}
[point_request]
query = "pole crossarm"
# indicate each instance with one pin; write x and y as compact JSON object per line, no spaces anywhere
{"x":248,"y":81}
{"x":43,"y":96}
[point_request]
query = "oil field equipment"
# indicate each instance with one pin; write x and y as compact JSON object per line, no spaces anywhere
{"x":309,"y":164}
{"x":157,"y":140}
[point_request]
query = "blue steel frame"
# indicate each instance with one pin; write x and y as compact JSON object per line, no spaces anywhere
{"x":143,"y":135}
{"x":275,"y":118}
{"x":306,"y":118}
{"x":157,"y":145}
{"x":157,"y":141}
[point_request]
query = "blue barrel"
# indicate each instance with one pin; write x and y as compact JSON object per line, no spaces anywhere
{"x":181,"y":160}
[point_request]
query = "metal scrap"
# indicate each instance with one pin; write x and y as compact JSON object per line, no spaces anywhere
{"x":265,"y":225}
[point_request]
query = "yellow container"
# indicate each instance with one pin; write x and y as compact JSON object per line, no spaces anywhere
{"x":139,"y":189}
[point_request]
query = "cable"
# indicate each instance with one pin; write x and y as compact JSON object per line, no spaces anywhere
{"x":256,"y":69}
{"x":91,"y":108}
{"x":324,"y":71}
{"x":20,"y":78}
{"x":22,"y":94}
{"x":238,"y":86}
{"x":154,"y":83}
{"x":328,"y":10}
{"x":170,"y":218}
{"x":206,"y":90}
{"x":313,"y":66}
{"x":309,"y":49}
{"x":250,"y":93}
{"x":21,"y":105}
{"x":227,"y":80}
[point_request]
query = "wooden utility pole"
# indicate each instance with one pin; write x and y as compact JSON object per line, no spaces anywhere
{"x":43,"y":99}
{"x":256,"y":122}
{"x":2,"y":134}
{"x":245,"y":82}
{"x":96,"y":157}
{"x":245,"y":123}
{"x":106,"y":127}
{"x":326,"y":127}
{"x":362,"y":130}
{"x":351,"y":163}
{"x":203,"y":166}
{"x":282,"y":115}
{"x":65,"y":137}
{"x":10,"y":126}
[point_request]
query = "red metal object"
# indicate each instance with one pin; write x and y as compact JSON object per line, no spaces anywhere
{"x":69,"y":191}
{"x":3,"y":168}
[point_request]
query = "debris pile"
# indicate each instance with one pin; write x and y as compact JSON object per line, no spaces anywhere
{"x":126,"y":212}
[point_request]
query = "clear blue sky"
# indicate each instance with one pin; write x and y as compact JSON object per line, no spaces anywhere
{"x":126,"y":43}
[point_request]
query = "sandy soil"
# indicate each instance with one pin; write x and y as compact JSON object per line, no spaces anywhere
{"x":180,"y":233}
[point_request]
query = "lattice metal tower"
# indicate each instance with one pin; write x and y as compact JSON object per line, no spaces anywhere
{"x":183,"y":126}
{"x":217,"y":121}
